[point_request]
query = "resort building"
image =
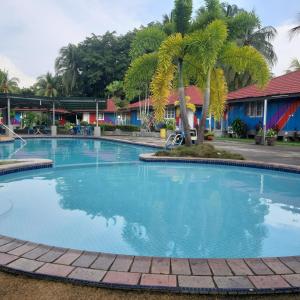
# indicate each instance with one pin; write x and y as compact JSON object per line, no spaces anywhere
{"x":276,"y":106}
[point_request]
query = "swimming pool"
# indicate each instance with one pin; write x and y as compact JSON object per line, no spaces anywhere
{"x":100,"y":197}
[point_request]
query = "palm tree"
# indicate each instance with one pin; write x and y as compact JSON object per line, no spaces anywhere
{"x":295,"y":30}
{"x":245,"y":29}
{"x":294,"y":66}
{"x":202,"y":54}
{"x":67,"y":66}
{"x":8,"y":85}
{"x":47,"y":85}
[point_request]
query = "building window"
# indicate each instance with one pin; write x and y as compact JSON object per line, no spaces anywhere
{"x":255,"y":109}
{"x":101,"y":116}
{"x":138,"y":115}
{"x":170,"y":113}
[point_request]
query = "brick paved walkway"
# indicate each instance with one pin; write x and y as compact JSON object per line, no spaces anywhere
{"x":134,"y":272}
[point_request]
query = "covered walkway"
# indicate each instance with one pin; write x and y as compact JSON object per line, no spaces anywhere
{"x":10,"y":102}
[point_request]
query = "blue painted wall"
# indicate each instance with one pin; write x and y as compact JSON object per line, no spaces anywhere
{"x":276,"y":108}
{"x":109,"y":118}
{"x":133,"y":118}
{"x":239,"y":111}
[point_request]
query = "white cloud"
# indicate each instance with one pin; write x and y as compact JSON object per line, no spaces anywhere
{"x":7,"y":65}
{"x":285,"y":48}
{"x":33,"y":31}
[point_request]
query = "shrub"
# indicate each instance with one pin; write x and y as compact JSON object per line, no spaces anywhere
{"x":108,"y":127}
{"x":203,"y":151}
{"x":170,"y":124}
{"x":239,"y":127}
{"x":84,"y":123}
{"x":271,"y":133}
{"x":128,"y":128}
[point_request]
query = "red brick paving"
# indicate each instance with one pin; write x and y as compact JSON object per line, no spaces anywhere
{"x":87,"y":274}
{"x":161,"y":265}
{"x":69,"y":257}
{"x":51,"y":255}
{"x":7,"y":258}
{"x":200,"y":267}
{"x":269,"y":282}
{"x":55,"y":270}
{"x":233,"y":282}
{"x":277,"y":266}
{"x":26,"y":265}
{"x":180,"y":266}
{"x":127,"y":278}
{"x":141,"y":264}
{"x":23,"y":249}
{"x":122,"y":263}
{"x":239,"y":267}
{"x":219,"y":267}
{"x":85,"y":260}
{"x":258,"y":267}
{"x":196,"y":282}
{"x":159,"y":280}
{"x":104,"y":261}
{"x":37,"y":252}
{"x":293,"y":280}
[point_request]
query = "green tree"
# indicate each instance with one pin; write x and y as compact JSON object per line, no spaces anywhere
{"x":47,"y":85}
{"x":103,"y":59}
{"x":147,"y":40}
{"x":294,"y":66}
{"x":245,"y":29}
{"x":115,"y":90}
{"x":8,"y":85}
{"x":67,"y":66}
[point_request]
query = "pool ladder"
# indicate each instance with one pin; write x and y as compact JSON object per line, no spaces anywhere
{"x":13,"y":133}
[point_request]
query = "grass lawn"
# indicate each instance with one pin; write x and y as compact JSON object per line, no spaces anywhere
{"x":201,"y":151}
{"x":21,"y":287}
{"x":251,"y":141}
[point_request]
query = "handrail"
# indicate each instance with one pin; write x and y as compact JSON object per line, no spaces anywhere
{"x":11,"y":131}
{"x":177,"y":140}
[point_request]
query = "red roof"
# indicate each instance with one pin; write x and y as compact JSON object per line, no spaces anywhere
{"x":192,"y":91}
{"x":283,"y":85}
{"x":111,"y":107}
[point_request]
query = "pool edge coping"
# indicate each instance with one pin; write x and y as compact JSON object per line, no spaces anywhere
{"x":14,"y":245}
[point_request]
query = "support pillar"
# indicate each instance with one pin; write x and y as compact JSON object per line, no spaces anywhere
{"x":9,"y":132}
{"x":97,"y":129}
{"x":53,"y":127}
{"x":265,"y":120}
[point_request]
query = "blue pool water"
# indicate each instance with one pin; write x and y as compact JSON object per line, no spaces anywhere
{"x":160,"y":209}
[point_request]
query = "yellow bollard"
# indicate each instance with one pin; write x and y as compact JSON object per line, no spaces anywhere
{"x":163,"y":133}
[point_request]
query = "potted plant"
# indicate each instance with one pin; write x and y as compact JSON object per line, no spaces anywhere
{"x":259,"y":140}
{"x":209,"y":136}
{"x":271,"y":137}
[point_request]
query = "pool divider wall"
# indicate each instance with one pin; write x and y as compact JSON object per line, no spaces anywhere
{"x":150,"y":157}
{"x":19,"y":165}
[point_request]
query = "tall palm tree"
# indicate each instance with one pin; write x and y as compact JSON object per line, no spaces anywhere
{"x":295,"y":30}
{"x":8,"y":85}
{"x":294,"y":66}
{"x":67,"y":66}
{"x":47,"y":85}
{"x":245,"y":29}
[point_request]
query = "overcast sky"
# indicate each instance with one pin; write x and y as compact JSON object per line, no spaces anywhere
{"x":33,"y":31}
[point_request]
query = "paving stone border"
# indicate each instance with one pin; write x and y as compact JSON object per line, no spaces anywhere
{"x":6,"y":139}
{"x":150,"y":157}
{"x":19,"y":165}
{"x":195,"y":276}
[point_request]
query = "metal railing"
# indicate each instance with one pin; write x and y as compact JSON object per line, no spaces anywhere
{"x":13,"y":133}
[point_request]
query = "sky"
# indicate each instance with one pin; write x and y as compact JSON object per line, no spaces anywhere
{"x":33,"y":31}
